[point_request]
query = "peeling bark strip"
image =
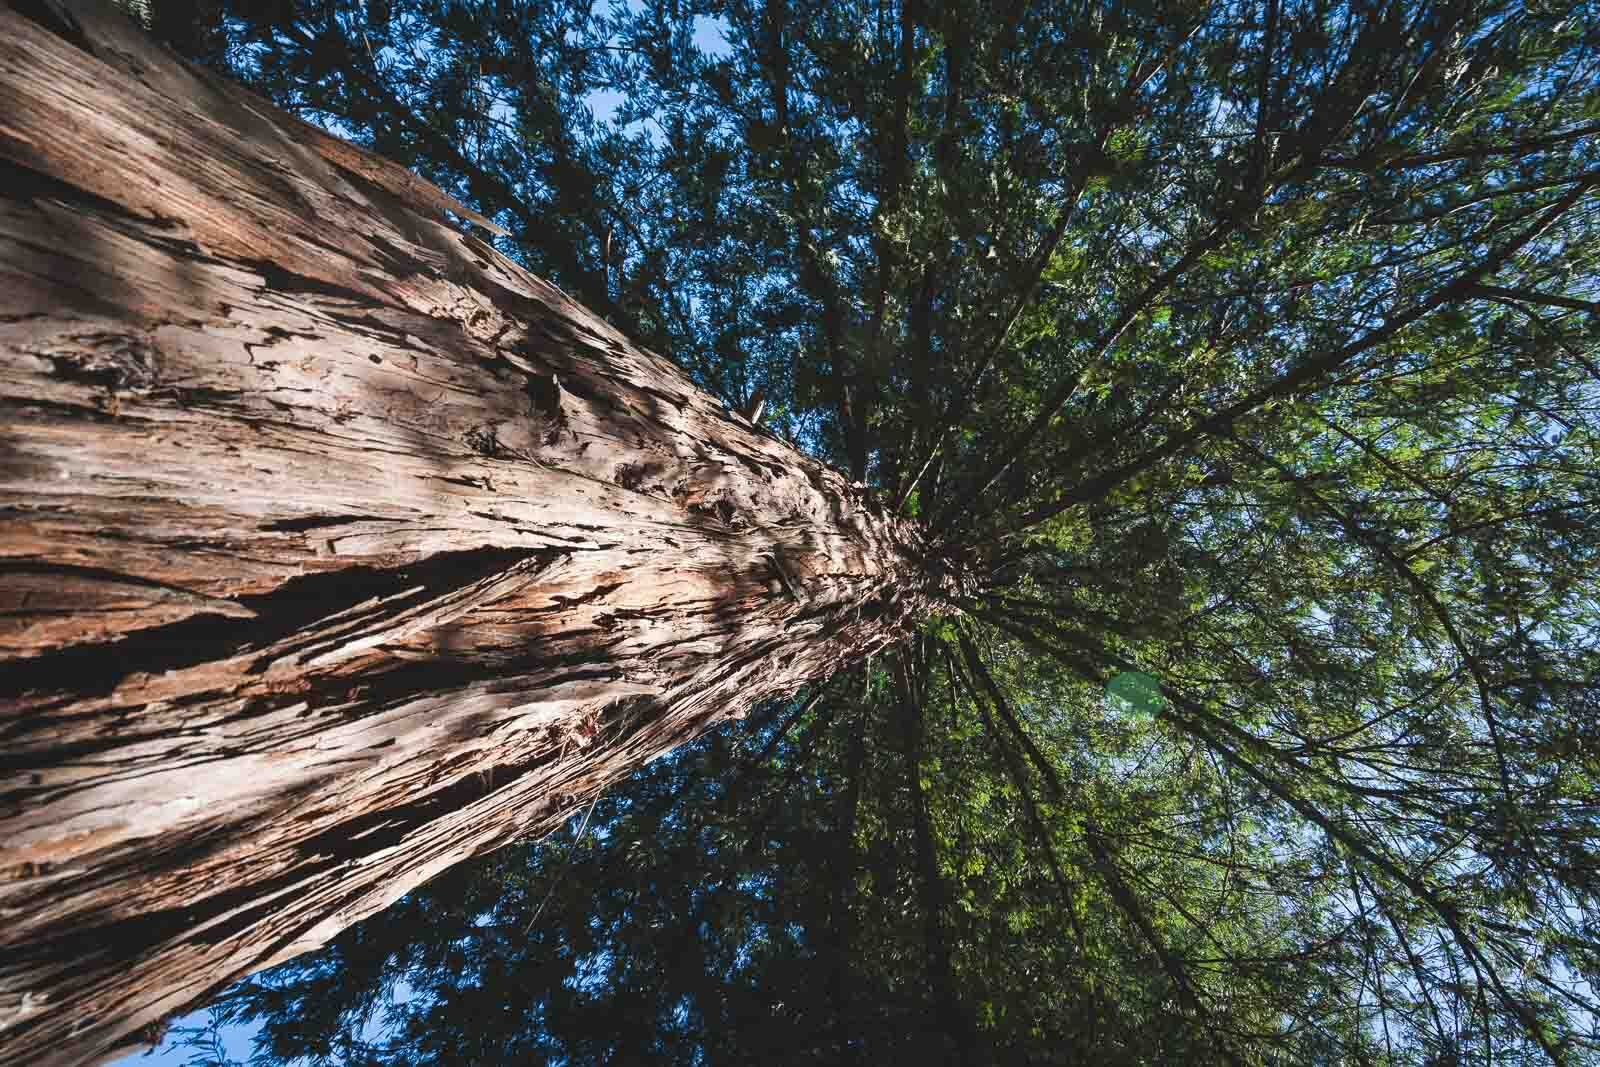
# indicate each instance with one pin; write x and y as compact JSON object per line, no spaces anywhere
{"x":334,"y":548}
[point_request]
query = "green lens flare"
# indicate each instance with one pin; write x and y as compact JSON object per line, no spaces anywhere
{"x":1135,"y":693}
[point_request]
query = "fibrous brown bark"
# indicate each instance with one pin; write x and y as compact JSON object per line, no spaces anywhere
{"x":334,"y":548}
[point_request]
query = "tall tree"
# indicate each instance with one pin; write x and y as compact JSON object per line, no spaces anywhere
{"x":1239,"y":362}
{"x":337,"y":547}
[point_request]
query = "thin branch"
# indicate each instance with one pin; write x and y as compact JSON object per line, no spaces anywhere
{"x":1304,"y":375}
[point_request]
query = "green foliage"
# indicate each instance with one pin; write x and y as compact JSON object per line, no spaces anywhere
{"x":1244,"y":359}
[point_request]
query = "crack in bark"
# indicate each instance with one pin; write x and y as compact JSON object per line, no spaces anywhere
{"x":263,"y":621}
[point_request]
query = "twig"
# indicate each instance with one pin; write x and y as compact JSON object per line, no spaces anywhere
{"x":584,"y":825}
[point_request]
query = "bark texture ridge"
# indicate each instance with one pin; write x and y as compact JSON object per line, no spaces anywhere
{"x":334,"y":547}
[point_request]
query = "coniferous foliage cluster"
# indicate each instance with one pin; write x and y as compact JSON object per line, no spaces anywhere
{"x":1242,"y":359}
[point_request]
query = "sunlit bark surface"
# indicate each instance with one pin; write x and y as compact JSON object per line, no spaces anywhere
{"x":334,"y":548}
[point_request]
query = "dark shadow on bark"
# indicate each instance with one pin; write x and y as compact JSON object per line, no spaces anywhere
{"x":93,"y":670}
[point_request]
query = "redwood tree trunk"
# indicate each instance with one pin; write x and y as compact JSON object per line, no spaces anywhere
{"x":334,"y":548}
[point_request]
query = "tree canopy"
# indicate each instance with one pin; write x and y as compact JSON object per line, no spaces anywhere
{"x":1241,"y":362}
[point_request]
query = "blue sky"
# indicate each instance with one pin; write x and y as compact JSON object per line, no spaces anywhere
{"x":708,"y":37}
{"x":236,"y":1045}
